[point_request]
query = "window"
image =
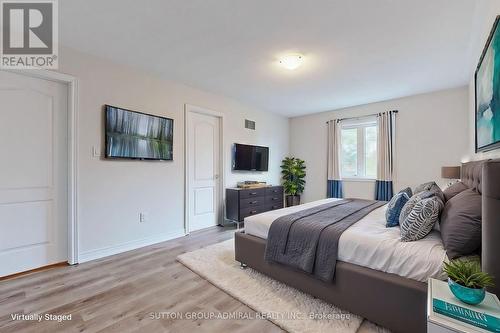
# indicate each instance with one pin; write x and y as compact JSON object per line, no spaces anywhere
{"x":359,"y":149}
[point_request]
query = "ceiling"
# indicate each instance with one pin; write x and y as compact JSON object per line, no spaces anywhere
{"x":356,"y":51}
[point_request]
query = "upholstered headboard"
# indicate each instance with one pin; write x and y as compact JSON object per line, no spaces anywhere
{"x":471,"y":175}
{"x":484,"y":177}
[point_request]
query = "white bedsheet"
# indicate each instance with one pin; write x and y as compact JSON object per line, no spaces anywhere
{"x":370,"y":244}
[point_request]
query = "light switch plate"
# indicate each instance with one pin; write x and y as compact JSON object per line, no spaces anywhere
{"x":96,"y":152}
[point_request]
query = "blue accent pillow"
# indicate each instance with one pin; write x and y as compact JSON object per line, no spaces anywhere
{"x":394,"y":208}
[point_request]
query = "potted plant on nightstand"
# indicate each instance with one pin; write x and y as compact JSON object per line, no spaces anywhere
{"x":293,"y":172}
{"x":466,"y":280}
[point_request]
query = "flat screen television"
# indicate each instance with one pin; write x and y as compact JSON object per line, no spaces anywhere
{"x":135,"y":135}
{"x":250,"y":158}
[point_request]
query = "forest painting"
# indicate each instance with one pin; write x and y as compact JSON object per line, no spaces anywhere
{"x":136,"y":135}
{"x":488,"y":94}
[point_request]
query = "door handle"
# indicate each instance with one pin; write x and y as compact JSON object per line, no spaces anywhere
{"x":216,"y":176}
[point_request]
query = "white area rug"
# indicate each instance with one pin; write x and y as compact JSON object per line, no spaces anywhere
{"x":285,"y":306}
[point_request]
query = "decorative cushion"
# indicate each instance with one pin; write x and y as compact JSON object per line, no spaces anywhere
{"x":405,"y":211}
{"x":424,"y":187}
{"x":461,"y":224}
{"x":394,"y":208}
{"x":421,"y":219}
{"x":407,"y":191}
{"x":453,"y":190}
{"x":432,"y":187}
{"x":407,"y":208}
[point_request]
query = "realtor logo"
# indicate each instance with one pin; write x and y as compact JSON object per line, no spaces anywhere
{"x":29,"y":34}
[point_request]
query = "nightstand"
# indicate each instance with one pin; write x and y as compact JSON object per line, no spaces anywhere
{"x":439,"y":323}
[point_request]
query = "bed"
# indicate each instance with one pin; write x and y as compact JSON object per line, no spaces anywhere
{"x":381,"y":278}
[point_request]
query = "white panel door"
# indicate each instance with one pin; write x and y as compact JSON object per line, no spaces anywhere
{"x":33,"y":173}
{"x":203,"y":141}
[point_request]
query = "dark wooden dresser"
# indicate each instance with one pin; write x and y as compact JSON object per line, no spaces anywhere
{"x":243,"y":202}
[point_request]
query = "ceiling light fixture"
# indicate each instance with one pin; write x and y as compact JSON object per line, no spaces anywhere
{"x":291,"y":61}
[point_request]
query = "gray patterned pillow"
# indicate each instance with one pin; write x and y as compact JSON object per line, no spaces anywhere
{"x":421,"y":219}
{"x":424,"y":187}
{"x":430,"y":187}
{"x":407,"y":208}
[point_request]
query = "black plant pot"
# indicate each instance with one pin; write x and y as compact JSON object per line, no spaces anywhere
{"x":292,"y":200}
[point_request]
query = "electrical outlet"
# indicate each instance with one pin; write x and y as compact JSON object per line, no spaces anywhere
{"x":143,"y":217}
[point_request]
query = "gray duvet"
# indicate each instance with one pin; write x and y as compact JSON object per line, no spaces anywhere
{"x":308,"y":240}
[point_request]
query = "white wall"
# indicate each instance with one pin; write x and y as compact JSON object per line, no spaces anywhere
{"x":431,"y":131}
{"x":485,"y":27}
{"x":111,"y":193}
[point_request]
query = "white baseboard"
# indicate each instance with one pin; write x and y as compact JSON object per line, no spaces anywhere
{"x":127,"y":246}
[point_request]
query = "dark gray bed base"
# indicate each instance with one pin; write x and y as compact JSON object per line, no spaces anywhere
{"x":386,"y":299}
{"x":389,"y":300}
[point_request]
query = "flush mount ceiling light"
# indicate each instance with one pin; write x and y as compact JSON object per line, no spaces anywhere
{"x":291,"y":61}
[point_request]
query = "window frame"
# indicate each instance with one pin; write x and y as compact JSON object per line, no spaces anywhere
{"x":360,"y":125}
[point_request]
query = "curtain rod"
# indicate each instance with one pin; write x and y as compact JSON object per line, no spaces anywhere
{"x":368,"y":115}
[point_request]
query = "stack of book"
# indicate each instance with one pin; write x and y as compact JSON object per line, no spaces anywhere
{"x":485,"y":315}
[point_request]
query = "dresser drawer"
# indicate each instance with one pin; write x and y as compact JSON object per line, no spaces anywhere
{"x":275,"y":206}
{"x":241,"y":203}
{"x":274,"y":191}
{"x":252,"y":202}
{"x":249,"y":211}
{"x":252,"y":193}
{"x":274,"y":199}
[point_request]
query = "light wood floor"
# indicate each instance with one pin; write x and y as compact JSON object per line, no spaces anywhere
{"x":119,"y":294}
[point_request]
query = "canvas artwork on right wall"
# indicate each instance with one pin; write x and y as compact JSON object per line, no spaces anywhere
{"x":487,"y":80}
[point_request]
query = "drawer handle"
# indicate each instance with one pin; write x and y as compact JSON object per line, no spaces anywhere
{"x":253,"y":193}
{"x":275,"y":198}
{"x":253,"y":212}
{"x":253,"y":202}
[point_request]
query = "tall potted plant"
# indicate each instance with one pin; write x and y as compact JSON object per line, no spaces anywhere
{"x":293,"y":172}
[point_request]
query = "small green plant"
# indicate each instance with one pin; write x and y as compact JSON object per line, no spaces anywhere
{"x":293,"y":172}
{"x":468,"y":273}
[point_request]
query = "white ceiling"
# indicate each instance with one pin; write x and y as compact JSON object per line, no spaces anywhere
{"x":356,"y":51}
